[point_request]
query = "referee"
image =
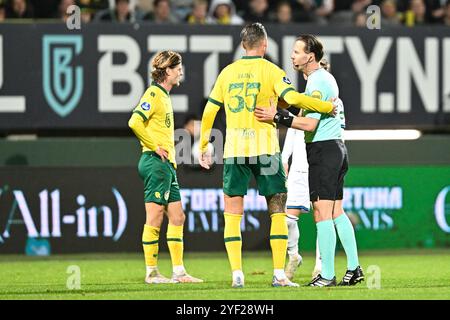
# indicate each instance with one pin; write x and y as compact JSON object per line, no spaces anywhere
{"x":328,"y":162}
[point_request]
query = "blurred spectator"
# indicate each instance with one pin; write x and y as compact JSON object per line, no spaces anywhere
{"x":307,"y":5}
{"x":436,"y":10}
{"x":347,"y":10}
{"x":304,"y":10}
{"x":199,"y":12}
{"x":19,"y":9}
{"x":192,"y":125}
{"x":62,"y":9}
{"x":187,"y":147}
{"x":86,"y":15}
{"x":283,"y":14}
{"x":181,"y":8}
{"x":45,"y":9}
{"x":402,"y":5}
{"x":389,"y":14}
{"x":360,"y":20}
{"x":223,"y":12}
{"x":342,"y":12}
{"x":416,"y":14}
{"x":242,"y":5}
{"x":2,"y":11}
{"x":360,"y":5}
{"x":142,"y":8}
{"x":258,"y":11}
{"x":121,"y":13}
{"x":324,"y":8}
{"x":447,"y":14}
{"x":89,"y":8}
{"x":162,"y":13}
{"x":342,"y":5}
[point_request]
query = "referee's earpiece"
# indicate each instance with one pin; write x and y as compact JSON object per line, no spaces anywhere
{"x":307,"y":62}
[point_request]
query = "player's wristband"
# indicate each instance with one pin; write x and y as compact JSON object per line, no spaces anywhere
{"x":295,"y":111}
{"x":285,"y":120}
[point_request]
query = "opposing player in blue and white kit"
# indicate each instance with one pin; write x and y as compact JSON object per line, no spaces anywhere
{"x":298,"y":188}
{"x":298,"y":192}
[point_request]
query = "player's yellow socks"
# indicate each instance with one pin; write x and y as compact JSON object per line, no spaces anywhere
{"x":175,"y":244}
{"x":233,"y":240}
{"x":278,"y":239}
{"x":150,"y":239}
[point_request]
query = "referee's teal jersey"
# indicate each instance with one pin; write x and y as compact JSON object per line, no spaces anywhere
{"x":322,"y":85}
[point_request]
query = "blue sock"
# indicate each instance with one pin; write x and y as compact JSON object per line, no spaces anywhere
{"x":327,"y":246}
{"x":346,"y":234}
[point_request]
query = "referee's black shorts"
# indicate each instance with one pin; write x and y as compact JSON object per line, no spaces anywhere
{"x":328,"y":164}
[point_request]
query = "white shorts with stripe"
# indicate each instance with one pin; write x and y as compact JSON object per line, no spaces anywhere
{"x":298,"y":190}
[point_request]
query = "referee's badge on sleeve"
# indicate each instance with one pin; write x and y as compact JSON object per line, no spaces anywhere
{"x":286,"y":80}
{"x":316,"y":94}
{"x":145,"y":106}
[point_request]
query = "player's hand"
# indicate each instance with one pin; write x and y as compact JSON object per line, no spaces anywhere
{"x":205,"y":160}
{"x":335,"y":102}
{"x":266,"y":114}
{"x":162,"y":153}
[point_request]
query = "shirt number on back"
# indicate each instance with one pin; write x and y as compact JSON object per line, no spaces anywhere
{"x":235,"y":91}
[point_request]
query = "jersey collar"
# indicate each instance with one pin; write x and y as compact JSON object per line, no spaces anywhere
{"x":160,"y":87}
{"x":252,"y":57}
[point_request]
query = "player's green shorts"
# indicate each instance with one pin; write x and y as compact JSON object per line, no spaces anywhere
{"x":160,"y":179}
{"x":267,"y":169}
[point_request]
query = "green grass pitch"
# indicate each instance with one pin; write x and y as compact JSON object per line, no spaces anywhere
{"x":408,"y":274}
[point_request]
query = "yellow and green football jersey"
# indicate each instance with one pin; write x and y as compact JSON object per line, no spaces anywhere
{"x":155,"y":108}
{"x":240,"y":87}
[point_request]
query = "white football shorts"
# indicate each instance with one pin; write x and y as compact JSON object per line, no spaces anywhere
{"x":298,"y":190}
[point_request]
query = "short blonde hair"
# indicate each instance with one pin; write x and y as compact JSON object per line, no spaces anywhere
{"x":163,"y":60}
{"x":252,"y":35}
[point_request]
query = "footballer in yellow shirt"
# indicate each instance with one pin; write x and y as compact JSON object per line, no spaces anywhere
{"x":240,"y":87}
{"x":251,"y":146}
{"x":155,"y":104}
{"x":152,"y":123}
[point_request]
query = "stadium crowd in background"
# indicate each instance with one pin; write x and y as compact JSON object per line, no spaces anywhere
{"x":232,"y":12}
